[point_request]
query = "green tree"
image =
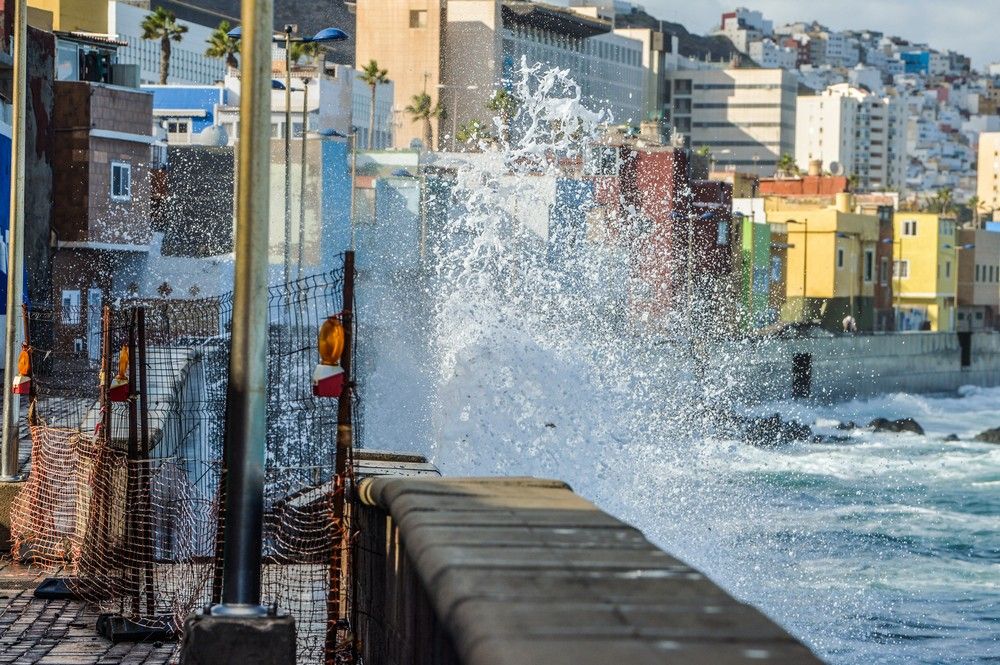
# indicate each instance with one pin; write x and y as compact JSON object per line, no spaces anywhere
{"x":221,"y":45}
{"x":424,"y":109}
{"x":299,"y":50}
{"x":163,"y":25}
{"x":787,"y":165}
{"x":975,"y":205}
{"x":944,"y":200}
{"x":504,"y":106}
{"x":472,"y":131}
{"x":373,"y":76}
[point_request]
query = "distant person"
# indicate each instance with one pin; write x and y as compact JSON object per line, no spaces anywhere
{"x":850,"y":325}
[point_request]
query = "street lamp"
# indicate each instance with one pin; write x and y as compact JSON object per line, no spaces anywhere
{"x":454,"y":109}
{"x":854,"y":265}
{"x":324,"y":35}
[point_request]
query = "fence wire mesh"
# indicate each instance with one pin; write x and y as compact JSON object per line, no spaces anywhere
{"x":127,"y":495}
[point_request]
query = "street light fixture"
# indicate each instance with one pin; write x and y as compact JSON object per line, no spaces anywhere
{"x":287,"y":38}
{"x":454,"y":109}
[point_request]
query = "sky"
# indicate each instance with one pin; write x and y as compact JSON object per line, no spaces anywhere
{"x":966,"y":26}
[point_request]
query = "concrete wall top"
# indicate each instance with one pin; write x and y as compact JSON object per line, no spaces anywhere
{"x":522,"y":570}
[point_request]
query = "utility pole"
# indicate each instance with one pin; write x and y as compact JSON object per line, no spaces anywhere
{"x":9,"y":447}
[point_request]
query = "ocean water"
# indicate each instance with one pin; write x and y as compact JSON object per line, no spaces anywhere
{"x":493,"y":359}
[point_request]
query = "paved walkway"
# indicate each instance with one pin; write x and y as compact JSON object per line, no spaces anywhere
{"x":59,"y":632}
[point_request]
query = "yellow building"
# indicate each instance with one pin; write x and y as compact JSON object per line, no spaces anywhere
{"x":988,"y":178}
{"x":925,"y":273}
{"x":832,"y":267}
{"x":406,"y":37}
{"x":69,"y":15}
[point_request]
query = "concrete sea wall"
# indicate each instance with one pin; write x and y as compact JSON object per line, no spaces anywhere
{"x":848,"y":366}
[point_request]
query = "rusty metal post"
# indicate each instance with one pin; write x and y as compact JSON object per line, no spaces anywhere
{"x":345,"y":440}
{"x":141,"y":363}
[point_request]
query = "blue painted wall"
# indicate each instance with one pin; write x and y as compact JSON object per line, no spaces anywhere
{"x":335,"y":221}
{"x":916,"y":62}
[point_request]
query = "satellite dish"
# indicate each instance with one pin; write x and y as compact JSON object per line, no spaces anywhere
{"x":836,"y":168}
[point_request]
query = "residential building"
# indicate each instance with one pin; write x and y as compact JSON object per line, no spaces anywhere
{"x":743,"y":27}
{"x":337,"y":99}
{"x":988,"y":174}
{"x":925,"y":271}
{"x":121,"y":21}
{"x":746,"y":117}
{"x":101,"y":221}
{"x":461,"y":51}
{"x":854,"y":132}
{"x":770,"y":55}
{"x":978,"y":280}
{"x":833,"y":264}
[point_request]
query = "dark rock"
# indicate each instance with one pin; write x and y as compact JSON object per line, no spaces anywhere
{"x":849,"y":425}
{"x":989,"y":436}
{"x":951,"y":437}
{"x":822,"y":438}
{"x":898,"y":425}
{"x":767,"y":431}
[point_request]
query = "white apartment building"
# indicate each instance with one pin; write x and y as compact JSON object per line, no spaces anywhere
{"x":988,"y":176}
{"x":856,"y":133}
{"x":746,"y":117}
{"x":188,"y":62}
{"x":769,"y":55}
{"x":743,"y":27}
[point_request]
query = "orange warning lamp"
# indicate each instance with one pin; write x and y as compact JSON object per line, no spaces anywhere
{"x":22,"y":382}
{"x":328,"y":377}
{"x":119,"y":385}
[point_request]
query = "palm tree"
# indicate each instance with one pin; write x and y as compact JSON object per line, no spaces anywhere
{"x":163,"y":25}
{"x":221,"y":45}
{"x":974,"y":205}
{"x":299,"y":50}
{"x":504,"y":105}
{"x":472,"y":131}
{"x":787,"y":165}
{"x":424,"y":109}
{"x":943,"y":200}
{"x":373,"y":77}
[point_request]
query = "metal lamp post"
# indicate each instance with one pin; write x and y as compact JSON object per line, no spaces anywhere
{"x":15,"y":257}
{"x":454,"y":109}
{"x":302,"y":177}
{"x":324,"y":35}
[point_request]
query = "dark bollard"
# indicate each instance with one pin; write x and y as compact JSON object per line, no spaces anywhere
{"x":213,"y":639}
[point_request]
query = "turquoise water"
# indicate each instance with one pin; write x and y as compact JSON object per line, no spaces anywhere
{"x":882,"y":549}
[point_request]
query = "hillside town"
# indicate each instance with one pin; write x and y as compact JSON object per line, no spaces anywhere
{"x":851,"y":176}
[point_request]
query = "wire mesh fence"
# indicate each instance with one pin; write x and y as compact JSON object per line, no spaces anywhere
{"x":126,"y":490}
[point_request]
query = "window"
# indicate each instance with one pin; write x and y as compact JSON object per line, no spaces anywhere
{"x":947,"y":269}
{"x":71,"y":306}
{"x":179,"y":127}
{"x":418,"y":18}
{"x":979,"y":316}
{"x":840,"y":257}
{"x":910,"y":227}
{"x":869,"y":265}
{"x":883,"y":271}
{"x":121,"y":181}
{"x":901,"y":269}
{"x":722,"y":234}
{"x":977,"y":272}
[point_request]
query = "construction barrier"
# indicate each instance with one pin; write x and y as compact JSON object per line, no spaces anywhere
{"x":126,"y":487}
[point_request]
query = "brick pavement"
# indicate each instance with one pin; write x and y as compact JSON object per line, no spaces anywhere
{"x":59,"y":632}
